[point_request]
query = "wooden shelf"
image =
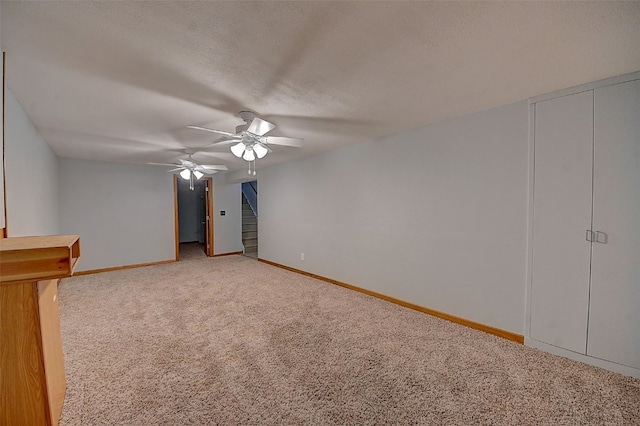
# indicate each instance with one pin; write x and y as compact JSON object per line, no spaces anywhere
{"x":38,"y":258}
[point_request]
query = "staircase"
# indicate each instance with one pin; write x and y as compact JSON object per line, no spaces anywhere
{"x":249,"y":230}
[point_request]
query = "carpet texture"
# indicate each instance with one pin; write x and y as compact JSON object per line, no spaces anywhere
{"x":233,"y":341}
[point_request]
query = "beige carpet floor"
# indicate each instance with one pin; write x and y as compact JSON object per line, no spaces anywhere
{"x":232,"y":341}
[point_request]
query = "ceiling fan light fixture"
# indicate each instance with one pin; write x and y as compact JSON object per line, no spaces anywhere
{"x":197,"y":174}
{"x":249,"y":155}
{"x":238,"y":149}
{"x":260,"y":150}
{"x":186,"y":174}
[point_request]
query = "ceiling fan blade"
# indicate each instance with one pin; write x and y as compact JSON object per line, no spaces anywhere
{"x":235,"y":139}
{"x":212,"y":167}
{"x":281,"y":140}
{"x":163,"y":164}
{"x":206,"y":129}
{"x":260,"y":127}
{"x":175,"y":170}
{"x":207,"y":171}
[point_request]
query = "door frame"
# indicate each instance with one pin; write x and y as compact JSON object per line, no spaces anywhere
{"x":209,"y":219}
{"x":209,"y":229}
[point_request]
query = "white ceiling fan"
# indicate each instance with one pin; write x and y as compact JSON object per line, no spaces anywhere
{"x":190,"y":170}
{"x":251,"y":138}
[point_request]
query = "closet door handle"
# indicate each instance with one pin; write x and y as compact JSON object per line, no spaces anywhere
{"x":601,"y":237}
{"x":590,"y":237}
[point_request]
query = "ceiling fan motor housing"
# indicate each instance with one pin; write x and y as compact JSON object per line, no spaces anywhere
{"x":247,"y":116}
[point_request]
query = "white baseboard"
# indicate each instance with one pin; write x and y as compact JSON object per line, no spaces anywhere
{"x":607,"y":365}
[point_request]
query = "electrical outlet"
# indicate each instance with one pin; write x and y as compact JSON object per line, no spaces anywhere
{"x":301,"y":256}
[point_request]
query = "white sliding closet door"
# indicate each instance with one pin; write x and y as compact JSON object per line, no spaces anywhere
{"x":562,"y":214}
{"x":614,"y":314}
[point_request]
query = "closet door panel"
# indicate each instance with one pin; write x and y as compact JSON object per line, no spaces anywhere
{"x":614,"y":313}
{"x":562,"y":213}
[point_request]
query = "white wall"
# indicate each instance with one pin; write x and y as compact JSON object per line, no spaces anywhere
{"x":435,"y":216}
{"x":227,"y":236}
{"x":31,"y":176}
{"x":124,"y":213}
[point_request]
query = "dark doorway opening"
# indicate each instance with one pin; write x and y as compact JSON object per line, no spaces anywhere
{"x":194,"y":222}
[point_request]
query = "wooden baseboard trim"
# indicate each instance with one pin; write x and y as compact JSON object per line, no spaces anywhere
{"x":472,"y":324}
{"x":118,"y":268}
{"x":231,"y":253}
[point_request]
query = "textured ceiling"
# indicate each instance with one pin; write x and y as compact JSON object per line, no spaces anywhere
{"x":119,"y":81}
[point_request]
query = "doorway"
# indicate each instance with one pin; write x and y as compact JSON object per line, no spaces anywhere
{"x":250,"y":218}
{"x":193,"y":218}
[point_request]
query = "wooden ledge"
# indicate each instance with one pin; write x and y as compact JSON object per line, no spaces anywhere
{"x":38,"y":258}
